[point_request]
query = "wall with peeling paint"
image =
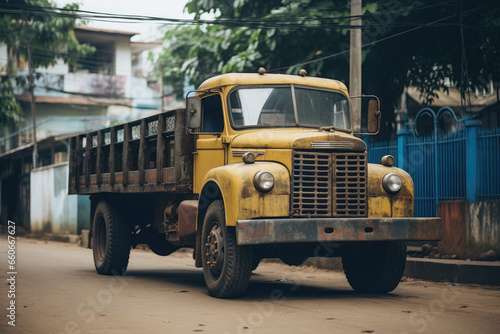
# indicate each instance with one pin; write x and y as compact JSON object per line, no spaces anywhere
{"x":52,"y":210}
{"x":483,"y":227}
{"x":453,"y":215}
{"x":470,"y":229}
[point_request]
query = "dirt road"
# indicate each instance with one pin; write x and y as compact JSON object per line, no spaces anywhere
{"x":57,"y":291}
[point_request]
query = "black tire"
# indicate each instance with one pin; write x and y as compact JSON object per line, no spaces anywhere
{"x":111,"y":241}
{"x":255,"y":262}
{"x":376,"y":267}
{"x":160,"y":246}
{"x":293,"y":260}
{"x":226,"y":266}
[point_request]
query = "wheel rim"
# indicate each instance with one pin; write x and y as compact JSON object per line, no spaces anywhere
{"x":215,"y":250}
{"x":100,"y":238}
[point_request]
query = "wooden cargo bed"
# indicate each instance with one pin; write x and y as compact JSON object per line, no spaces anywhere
{"x":153,"y":154}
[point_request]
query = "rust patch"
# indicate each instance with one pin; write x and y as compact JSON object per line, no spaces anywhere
{"x":453,"y":215}
{"x":271,"y":231}
{"x":187,"y":218}
{"x":248,"y":190}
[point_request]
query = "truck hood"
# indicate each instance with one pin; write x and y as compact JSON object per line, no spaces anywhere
{"x":298,"y":139}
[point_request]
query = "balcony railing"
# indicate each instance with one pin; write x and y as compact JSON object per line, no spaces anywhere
{"x":64,"y":85}
{"x":56,"y":126}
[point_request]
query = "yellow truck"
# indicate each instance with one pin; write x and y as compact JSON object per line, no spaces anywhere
{"x":257,"y":166}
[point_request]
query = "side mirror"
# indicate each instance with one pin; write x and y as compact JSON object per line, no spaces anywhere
{"x":193,"y":109}
{"x":374,"y":116}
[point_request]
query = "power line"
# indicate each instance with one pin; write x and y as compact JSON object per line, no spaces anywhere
{"x":377,"y":41}
{"x":282,"y":22}
{"x":268,"y":23}
{"x":364,"y":45}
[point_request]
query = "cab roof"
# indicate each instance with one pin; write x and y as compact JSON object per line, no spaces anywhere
{"x":238,"y":79}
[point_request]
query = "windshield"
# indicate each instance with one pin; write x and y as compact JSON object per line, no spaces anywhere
{"x":289,"y":106}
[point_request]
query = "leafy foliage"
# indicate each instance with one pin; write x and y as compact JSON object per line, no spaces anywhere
{"x":50,"y":38}
{"x":415,"y":43}
{"x":199,"y":52}
{"x":10,"y":109}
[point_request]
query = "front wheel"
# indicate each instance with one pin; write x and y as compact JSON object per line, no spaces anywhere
{"x":226,"y":266}
{"x":111,"y":240}
{"x":375,"y":267}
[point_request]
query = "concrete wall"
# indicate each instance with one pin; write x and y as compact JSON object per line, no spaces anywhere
{"x":123,"y":61}
{"x":483,"y":227}
{"x":52,"y":210}
{"x":470,"y":229}
{"x":58,"y":68}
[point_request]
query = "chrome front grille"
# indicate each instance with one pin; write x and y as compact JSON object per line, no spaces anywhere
{"x":326,"y":184}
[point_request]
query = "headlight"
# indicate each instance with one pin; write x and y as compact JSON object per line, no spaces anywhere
{"x":263,"y":181}
{"x":392,"y":183}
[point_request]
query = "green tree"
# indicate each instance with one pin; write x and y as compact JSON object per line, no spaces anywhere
{"x":51,"y":37}
{"x":419,"y":43}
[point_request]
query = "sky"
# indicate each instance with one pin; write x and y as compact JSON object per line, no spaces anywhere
{"x":148,"y":31}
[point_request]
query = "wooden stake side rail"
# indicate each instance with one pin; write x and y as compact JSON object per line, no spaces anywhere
{"x":153,"y":154}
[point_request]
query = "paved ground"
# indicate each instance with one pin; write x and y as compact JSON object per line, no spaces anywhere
{"x":58,"y":291}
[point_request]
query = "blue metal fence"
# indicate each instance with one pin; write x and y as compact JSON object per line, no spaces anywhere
{"x":376,"y":150}
{"x":489,"y":169}
{"x":451,"y":165}
{"x":421,"y":164}
{"x":457,"y":165}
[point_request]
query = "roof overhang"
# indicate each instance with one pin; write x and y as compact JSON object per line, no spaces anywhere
{"x":241,"y":79}
{"x":42,"y":144}
{"x":103,"y":31}
{"x":77,"y":100}
{"x":453,"y":99}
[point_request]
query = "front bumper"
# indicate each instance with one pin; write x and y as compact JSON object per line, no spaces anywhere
{"x":289,"y":230}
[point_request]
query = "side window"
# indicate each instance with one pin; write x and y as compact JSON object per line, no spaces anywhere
{"x":213,"y":120}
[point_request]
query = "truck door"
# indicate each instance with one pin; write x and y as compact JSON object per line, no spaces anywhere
{"x":209,"y":145}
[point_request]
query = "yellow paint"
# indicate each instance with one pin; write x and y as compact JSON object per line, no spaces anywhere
{"x":242,"y":200}
{"x":215,"y":159}
{"x":284,"y":156}
{"x":238,"y":79}
{"x":379,"y":206}
{"x":284,"y":138}
{"x":209,"y":155}
{"x":382,"y":204}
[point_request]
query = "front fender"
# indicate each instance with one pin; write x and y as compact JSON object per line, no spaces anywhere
{"x":242,"y":200}
{"x":383,"y":204}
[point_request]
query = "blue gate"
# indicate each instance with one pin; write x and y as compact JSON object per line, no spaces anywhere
{"x":436,"y":162}
{"x":464,"y":163}
{"x":488,"y":151}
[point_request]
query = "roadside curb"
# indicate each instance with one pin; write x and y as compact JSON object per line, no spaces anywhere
{"x":436,"y":270}
{"x":455,"y":271}
{"x":70,"y":238}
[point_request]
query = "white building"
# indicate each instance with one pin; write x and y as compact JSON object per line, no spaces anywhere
{"x":99,"y":91}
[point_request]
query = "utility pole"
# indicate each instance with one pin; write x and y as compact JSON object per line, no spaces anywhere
{"x":355,"y":64}
{"x":162,"y":90}
{"x":33,"y":108}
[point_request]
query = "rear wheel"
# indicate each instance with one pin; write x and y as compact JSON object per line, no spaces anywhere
{"x":375,"y":267}
{"x":226,"y":266}
{"x":111,"y":241}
